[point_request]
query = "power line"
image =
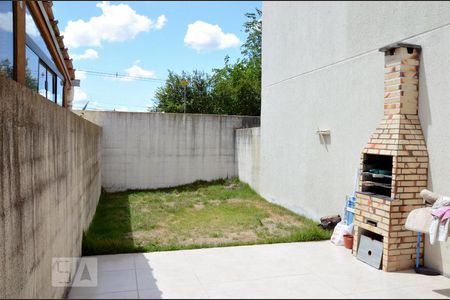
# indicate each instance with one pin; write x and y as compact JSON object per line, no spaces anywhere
{"x":120,"y":76}
{"x":106,"y":105}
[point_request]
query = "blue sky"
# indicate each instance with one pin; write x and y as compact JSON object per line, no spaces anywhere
{"x":145,"y":39}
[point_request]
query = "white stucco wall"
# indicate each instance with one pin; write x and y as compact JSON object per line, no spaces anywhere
{"x":156,"y":150}
{"x":322,"y":69}
{"x":248,"y":156}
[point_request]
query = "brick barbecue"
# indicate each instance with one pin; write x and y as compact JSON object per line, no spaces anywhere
{"x":394,"y":164}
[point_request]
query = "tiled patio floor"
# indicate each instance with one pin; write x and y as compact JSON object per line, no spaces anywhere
{"x":297,"y":270}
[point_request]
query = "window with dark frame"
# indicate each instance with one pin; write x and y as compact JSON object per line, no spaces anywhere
{"x":6,"y":39}
{"x":42,"y":75}
{"x":31,"y":69}
{"x":59,"y":91}
{"x":42,"y":82}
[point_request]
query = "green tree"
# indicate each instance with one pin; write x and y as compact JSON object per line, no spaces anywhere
{"x":251,"y":49}
{"x":170,"y":97}
{"x":237,"y":87}
{"x":234,"y":89}
{"x":30,"y":80}
{"x":6,"y":68}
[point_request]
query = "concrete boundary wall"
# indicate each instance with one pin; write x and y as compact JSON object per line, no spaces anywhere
{"x":49,"y":189}
{"x":156,"y":150}
{"x":248,"y":155}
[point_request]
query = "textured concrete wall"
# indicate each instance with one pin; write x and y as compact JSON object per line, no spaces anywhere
{"x":322,"y":69}
{"x":154,"y":150}
{"x":49,"y":189}
{"x":248,"y":156}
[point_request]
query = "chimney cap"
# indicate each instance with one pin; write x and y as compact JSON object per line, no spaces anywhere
{"x":400,"y":45}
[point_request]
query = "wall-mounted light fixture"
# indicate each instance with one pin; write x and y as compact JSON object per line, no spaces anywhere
{"x":323,"y":133}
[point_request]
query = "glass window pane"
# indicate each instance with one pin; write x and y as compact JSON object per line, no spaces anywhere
{"x":32,"y":69}
{"x":51,"y":86}
{"x":59,"y":91}
{"x":33,"y":32}
{"x":6,"y":39}
{"x":42,"y":80}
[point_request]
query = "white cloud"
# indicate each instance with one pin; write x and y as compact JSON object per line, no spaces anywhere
{"x":202,"y":36}
{"x":6,"y":21}
{"x":31,"y":26}
{"x":88,"y":54}
{"x":79,"y":95}
{"x":80,"y":75}
{"x":117,"y":23}
{"x":160,"y":22}
{"x":136,"y":71}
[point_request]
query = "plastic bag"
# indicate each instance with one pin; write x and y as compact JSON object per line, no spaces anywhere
{"x":340,"y":230}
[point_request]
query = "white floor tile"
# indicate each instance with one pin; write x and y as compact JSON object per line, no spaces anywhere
{"x":117,"y":281}
{"x":297,"y":270}
{"x":118,"y":295}
{"x":115,"y":262}
{"x":400,"y":293}
{"x":292,"y":287}
{"x":108,"y":282}
{"x":174,"y":292}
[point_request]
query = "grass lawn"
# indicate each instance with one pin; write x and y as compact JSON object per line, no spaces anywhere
{"x":199,"y":215}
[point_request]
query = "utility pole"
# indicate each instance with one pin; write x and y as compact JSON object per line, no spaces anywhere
{"x":184,"y":83}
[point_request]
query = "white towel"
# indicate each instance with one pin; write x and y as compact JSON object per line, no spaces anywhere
{"x":439,"y":229}
{"x":443,"y":231}
{"x":434,"y":227}
{"x":441,"y":201}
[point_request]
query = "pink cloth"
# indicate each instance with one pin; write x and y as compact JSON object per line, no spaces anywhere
{"x":443,"y":213}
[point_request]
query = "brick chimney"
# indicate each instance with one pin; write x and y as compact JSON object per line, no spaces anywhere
{"x":401,"y":78}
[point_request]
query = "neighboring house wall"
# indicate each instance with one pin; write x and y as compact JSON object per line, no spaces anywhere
{"x":248,"y":156}
{"x":322,"y":69}
{"x":155,"y":150}
{"x":49,"y":189}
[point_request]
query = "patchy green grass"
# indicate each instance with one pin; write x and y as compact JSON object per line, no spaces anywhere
{"x":199,"y":215}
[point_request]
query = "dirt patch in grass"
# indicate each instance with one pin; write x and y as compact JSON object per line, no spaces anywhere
{"x":220,"y":213}
{"x":248,"y":236}
{"x":234,"y":201}
{"x":214,"y":202}
{"x":199,"y":206}
{"x":231,"y":186}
